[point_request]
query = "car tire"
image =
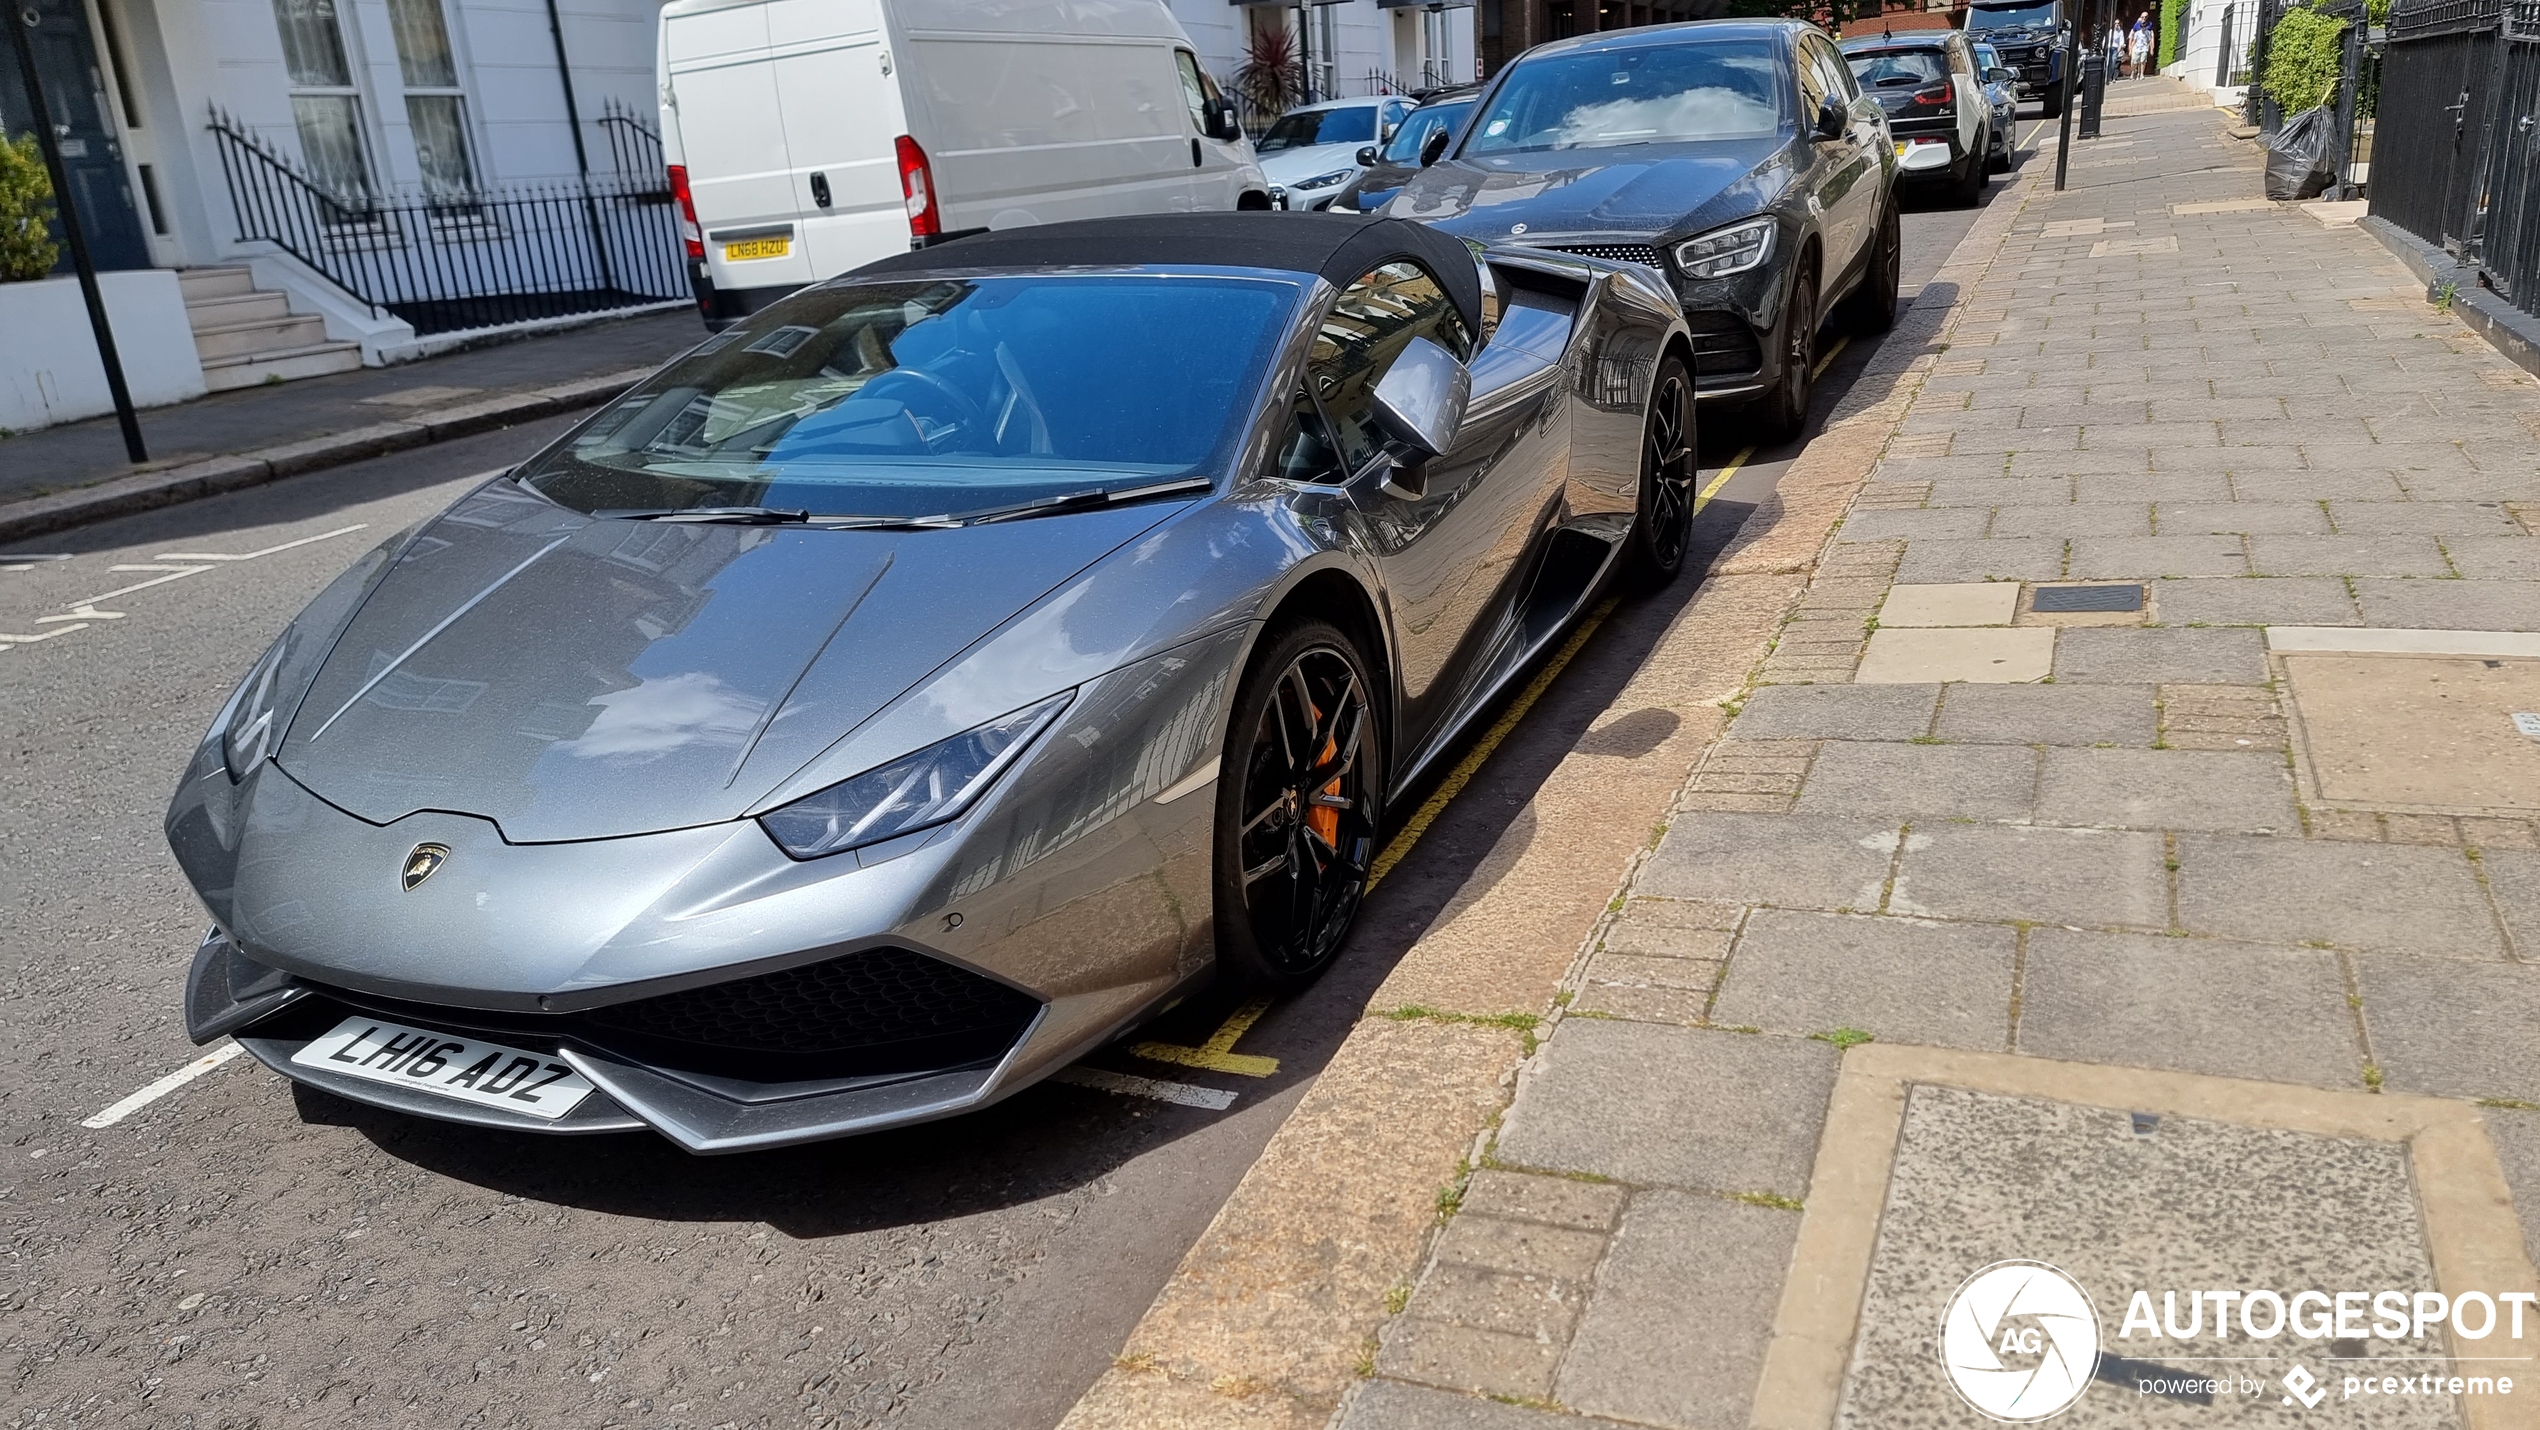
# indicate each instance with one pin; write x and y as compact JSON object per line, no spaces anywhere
{"x":2052,"y":102}
{"x":2000,"y":161}
{"x":1669,"y":468}
{"x":1782,"y":412}
{"x":1871,"y":310}
{"x":1970,"y":186}
{"x":1290,"y":872}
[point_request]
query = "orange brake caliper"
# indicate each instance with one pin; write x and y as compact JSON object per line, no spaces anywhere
{"x":1323,"y":819}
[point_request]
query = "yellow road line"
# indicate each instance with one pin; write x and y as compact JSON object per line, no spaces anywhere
{"x":1471,"y":764}
{"x":1828,"y":360}
{"x":1218,"y":1053}
{"x":2032,"y":134}
{"x":1703,"y":498}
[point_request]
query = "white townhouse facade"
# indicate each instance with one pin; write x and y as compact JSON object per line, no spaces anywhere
{"x":281,"y":188}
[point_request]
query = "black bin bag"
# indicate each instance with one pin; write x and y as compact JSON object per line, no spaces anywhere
{"x":2300,"y":158}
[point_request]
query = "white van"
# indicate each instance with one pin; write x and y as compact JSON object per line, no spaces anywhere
{"x":807,"y":137}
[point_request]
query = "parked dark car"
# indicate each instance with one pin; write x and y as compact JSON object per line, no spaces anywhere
{"x":2002,"y":93}
{"x":1423,"y":136}
{"x":1937,"y":111}
{"x":2029,"y":34}
{"x":1736,"y":157}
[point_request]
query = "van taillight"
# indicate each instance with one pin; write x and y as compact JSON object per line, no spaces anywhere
{"x":691,"y":232}
{"x":917,"y":185}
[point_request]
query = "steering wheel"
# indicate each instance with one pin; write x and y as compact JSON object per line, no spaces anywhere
{"x":952,"y":410}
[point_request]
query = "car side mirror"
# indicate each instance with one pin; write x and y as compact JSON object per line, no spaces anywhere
{"x":1224,"y":122}
{"x":1420,"y":399}
{"x":2000,"y":75}
{"x":1433,"y":148}
{"x":1833,"y":120}
{"x":1366,"y":155}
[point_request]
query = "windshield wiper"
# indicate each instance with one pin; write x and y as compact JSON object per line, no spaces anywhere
{"x":1085,"y":500}
{"x":721,"y":515}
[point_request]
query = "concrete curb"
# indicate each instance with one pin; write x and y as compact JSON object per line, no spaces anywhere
{"x":2507,"y":329}
{"x":121,"y":496}
{"x":1272,"y":1320}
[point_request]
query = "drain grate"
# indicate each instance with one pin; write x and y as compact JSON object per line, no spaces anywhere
{"x":2088,"y":598}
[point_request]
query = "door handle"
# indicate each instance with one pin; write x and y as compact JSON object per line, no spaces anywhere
{"x":820,"y":190}
{"x":1196,"y":161}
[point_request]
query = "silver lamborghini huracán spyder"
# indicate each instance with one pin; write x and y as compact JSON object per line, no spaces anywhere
{"x":923,"y":681}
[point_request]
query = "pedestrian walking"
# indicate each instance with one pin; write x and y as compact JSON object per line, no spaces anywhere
{"x":2138,"y":44}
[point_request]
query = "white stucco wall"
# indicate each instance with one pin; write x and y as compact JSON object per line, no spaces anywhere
{"x":1366,"y":37}
{"x":60,"y":379}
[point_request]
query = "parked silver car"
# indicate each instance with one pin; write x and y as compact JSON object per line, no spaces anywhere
{"x":926,"y":679}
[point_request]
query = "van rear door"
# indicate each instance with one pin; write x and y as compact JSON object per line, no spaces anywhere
{"x":841,"y":102}
{"x":733,"y":138}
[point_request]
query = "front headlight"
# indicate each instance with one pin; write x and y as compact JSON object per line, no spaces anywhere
{"x":927,"y":788}
{"x":245,"y":728}
{"x":1721,"y":252}
{"x":1322,"y":181}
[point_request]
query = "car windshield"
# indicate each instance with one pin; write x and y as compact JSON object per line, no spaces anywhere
{"x":1307,"y":128}
{"x":1415,"y":131}
{"x":1647,"y":94}
{"x":908,"y":399}
{"x":2012,"y":17}
{"x":1877,"y":69}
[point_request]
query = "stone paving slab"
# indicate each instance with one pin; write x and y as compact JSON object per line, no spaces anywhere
{"x":1904,"y":980}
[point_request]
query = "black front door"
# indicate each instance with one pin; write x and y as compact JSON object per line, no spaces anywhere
{"x":75,"y":91}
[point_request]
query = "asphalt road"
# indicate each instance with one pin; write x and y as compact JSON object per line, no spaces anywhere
{"x":237,"y":1253}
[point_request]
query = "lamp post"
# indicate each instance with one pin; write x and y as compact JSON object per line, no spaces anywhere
{"x":68,"y":209}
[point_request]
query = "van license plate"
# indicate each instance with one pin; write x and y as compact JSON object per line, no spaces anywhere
{"x":749,"y":248}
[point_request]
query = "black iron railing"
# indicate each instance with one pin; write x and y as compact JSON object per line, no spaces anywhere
{"x":448,"y":261}
{"x":634,"y":146}
{"x":2459,"y":160}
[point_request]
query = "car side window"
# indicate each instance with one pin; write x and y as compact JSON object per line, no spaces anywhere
{"x":1840,"y":85}
{"x":1194,"y":87}
{"x":1370,"y":324}
{"x":1812,"y":82}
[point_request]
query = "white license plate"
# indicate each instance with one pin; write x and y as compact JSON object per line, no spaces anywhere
{"x":468,"y":1069}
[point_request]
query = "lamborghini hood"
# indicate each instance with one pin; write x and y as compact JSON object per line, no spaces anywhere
{"x":571,"y":678}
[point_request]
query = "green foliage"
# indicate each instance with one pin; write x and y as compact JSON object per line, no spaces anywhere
{"x":26,"y":207}
{"x":2302,"y":60}
{"x":2173,"y":14}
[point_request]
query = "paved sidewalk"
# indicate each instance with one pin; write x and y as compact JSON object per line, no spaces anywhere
{"x":2181,"y":947}
{"x":77,"y":454}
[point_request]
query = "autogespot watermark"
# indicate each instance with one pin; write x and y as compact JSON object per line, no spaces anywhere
{"x":2020,"y":1342}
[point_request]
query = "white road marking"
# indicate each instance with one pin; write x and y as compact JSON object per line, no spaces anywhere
{"x":252,"y":555}
{"x":139,"y":1100}
{"x":1129,"y":1085}
{"x":82,"y":613}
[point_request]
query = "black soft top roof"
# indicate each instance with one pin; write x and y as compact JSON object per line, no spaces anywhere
{"x":1335,"y":246}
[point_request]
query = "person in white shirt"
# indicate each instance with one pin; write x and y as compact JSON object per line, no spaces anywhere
{"x":2139,"y":44}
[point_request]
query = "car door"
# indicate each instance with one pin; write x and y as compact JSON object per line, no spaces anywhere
{"x":1449,"y":541}
{"x":1847,"y":169}
{"x":1975,"y":112}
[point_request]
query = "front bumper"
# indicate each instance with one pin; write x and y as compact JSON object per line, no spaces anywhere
{"x":1068,"y":904}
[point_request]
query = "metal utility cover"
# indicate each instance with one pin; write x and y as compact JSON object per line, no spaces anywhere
{"x":1980,"y":1178}
{"x":2429,"y":732}
{"x":2087,"y":598}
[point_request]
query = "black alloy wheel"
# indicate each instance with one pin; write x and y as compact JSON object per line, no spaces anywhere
{"x":1785,"y":408}
{"x":1299,"y":808}
{"x":1871,"y":308}
{"x":1668,"y":471}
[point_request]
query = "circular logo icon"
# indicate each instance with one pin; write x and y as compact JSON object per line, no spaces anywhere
{"x":2020,"y":1341}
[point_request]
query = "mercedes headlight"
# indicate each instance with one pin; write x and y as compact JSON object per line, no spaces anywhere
{"x":1323,"y":181}
{"x":1721,"y":252}
{"x":911,"y":793}
{"x":246,"y":727}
